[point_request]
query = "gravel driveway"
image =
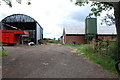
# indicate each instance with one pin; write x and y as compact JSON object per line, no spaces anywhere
{"x":50,"y":61}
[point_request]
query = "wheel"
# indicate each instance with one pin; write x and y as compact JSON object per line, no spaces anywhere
{"x":117,"y":66}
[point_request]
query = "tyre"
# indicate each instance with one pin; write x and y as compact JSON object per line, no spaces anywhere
{"x":11,"y":44}
{"x":117,"y":66}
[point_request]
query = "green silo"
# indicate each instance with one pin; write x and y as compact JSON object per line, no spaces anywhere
{"x":90,"y":28}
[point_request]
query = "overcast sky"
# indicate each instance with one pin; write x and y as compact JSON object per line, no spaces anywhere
{"x":52,"y":15}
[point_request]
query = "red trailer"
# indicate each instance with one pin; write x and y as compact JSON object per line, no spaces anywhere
{"x":11,"y":36}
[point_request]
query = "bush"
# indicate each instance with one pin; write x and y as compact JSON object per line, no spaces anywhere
{"x":113,"y":51}
{"x":90,"y":49}
{"x":109,"y":49}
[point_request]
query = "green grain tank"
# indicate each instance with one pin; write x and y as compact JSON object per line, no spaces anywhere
{"x":90,"y":28}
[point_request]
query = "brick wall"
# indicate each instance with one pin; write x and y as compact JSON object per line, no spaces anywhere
{"x":80,"y":39}
{"x":107,"y":37}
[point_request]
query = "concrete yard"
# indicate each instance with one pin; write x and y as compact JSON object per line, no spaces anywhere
{"x":49,"y":61}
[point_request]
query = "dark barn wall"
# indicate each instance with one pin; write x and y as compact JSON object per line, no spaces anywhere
{"x":23,"y":25}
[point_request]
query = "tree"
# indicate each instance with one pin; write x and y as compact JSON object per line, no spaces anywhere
{"x":98,"y":7}
{"x":9,"y":2}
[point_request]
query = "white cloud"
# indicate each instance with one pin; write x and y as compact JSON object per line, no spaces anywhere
{"x":52,"y":15}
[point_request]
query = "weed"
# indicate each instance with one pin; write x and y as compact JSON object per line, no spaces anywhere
{"x":4,"y":53}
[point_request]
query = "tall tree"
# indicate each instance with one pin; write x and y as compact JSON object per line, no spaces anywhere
{"x":98,"y":7}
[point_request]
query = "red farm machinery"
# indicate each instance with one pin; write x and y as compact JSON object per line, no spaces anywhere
{"x":11,"y":37}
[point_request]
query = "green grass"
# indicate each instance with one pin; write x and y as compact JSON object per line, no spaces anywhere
{"x":105,"y":61}
{"x":74,"y":45}
{"x":53,"y":41}
{"x":69,"y":44}
{"x":4,"y":53}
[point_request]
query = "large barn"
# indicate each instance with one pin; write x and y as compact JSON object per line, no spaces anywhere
{"x":76,"y":34}
{"x":26,"y":23}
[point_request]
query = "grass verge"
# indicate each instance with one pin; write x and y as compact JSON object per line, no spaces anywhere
{"x":105,"y":61}
{"x":4,"y":53}
{"x":53,"y":41}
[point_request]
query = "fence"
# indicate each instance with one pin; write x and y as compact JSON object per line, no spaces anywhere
{"x":105,"y":47}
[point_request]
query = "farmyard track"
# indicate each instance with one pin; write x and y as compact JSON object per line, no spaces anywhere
{"x":49,"y":61}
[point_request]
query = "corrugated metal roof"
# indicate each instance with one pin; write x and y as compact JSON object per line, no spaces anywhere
{"x":106,"y":30}
{"x":81,"y":30}
{"x":74,"y":30}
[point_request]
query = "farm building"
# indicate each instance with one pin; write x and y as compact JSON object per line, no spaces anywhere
{"x":23,"y":22}
{"x":106,"y":33}
{"x":76,"y":34}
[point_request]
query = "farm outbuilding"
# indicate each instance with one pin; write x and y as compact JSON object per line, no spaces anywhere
{"x":76,"y":34}
{"x":106,"y":33}
{"x":24,"y":23}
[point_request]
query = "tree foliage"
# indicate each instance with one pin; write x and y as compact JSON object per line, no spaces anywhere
{"x":9,"y":2}
{"x":97,"y":8}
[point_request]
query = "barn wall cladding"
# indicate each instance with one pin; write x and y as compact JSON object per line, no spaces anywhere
{"x":26,"y":23}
